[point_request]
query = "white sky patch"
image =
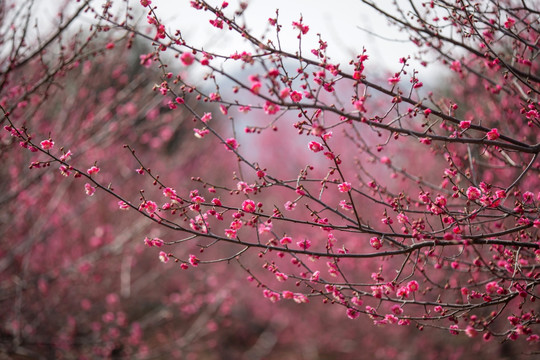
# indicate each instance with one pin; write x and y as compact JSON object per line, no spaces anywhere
{"x":346,"y":25}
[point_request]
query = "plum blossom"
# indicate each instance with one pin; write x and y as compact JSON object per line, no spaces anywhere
{"x":66,"y":156}
{"x":493,"y":134}
{"x":412,"y":286}
{"x":344,"y":187}
{"x":345,"y":205}
{"x":271,"y":295}
{"x":206,"y":117}
{"x":248,"y":206}
{"x":470,"y":331}
{"x":163,"y":257}
{"x":394,"y":80}
{"x":150,"y":207}
{"x":270,"y":108}
{"x":231,"y":144}
{"x":93,"y":170}
{"x":47,"y":144}
{"x":303,"y":28}
{"x":265,"y":227}
{"x":89,"y":189}
{"x":193,"y":260}
{"x":386,"y":160}
{"x":375,"y":242}
{"x":509,"y":23}
{"x":285,"y":240}
{"x":169,"y":192}
{"x":300,"y":298}
{"x":528,"y":197}
{"x":122,"y":205}
{"x":187,"y":58}
{"x":304,"y":244}
{"x":296,"y":96}
{"x":352,"y":313}
{"x":315,"y":146}
{"x":256,"y":87}
{"x":473,"y":193}
{"x":289,"y":205}
{"x":465,"y":124}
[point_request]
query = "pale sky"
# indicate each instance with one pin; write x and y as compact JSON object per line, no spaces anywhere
{"x":337,"y":22}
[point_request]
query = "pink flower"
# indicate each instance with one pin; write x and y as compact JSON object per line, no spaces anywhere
{"x":315,"y":146}
{"x":271,"y":295}
{"x":93,"y":170}
{"x":473,"y":193}
{"x":344,"y":187}
{"x":375,"y":242}
{"x":464,"y":125}
{"x":187,"y":58}
{"x":402,"y":218}
{"x":206,"y":117}
{"x":403,"y":292}
{"x":412,"y":286}
{"x":110,"y":46}
{"x":200,"y":133}
{"x":145,"y":3}
{"x":244,"y":109}
{"x":150,"y":207}
{"x":300,"y":298}
{"x":386,"y":160}
{"x":89,"y":189}
{"x":193,"y":260}
{"x":352,"y":313}
{"x":528,"y":197}
{"x":492,"y":287}
{"x":248,"y":206}
{"x":287,"y":294}
{"x":493,"y":134}
{"x":456,"y":66}
{"x":256,"y":87}
{"x":231,"y":144}
{"x":281,"y":277}
{"x":296,"y":96}
{"x":394,"y":80}
{"x":509,"y":23}
{"x":357,"y":301}
{"x":163,"y":257}
{"x":123,"y":206}
{"x":344,"y":205}
{"x":47,"y":144}
{"x":271,"y":108}
{"x":285,"y":240}
{"x":304,"y":244}
{"x":265,"y":227}
{"x":168,"y":192}
{"x":303,"y":28}
{"x":289,"y":205}
{"x":470,"y":331}
{"x":66,"y":156}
